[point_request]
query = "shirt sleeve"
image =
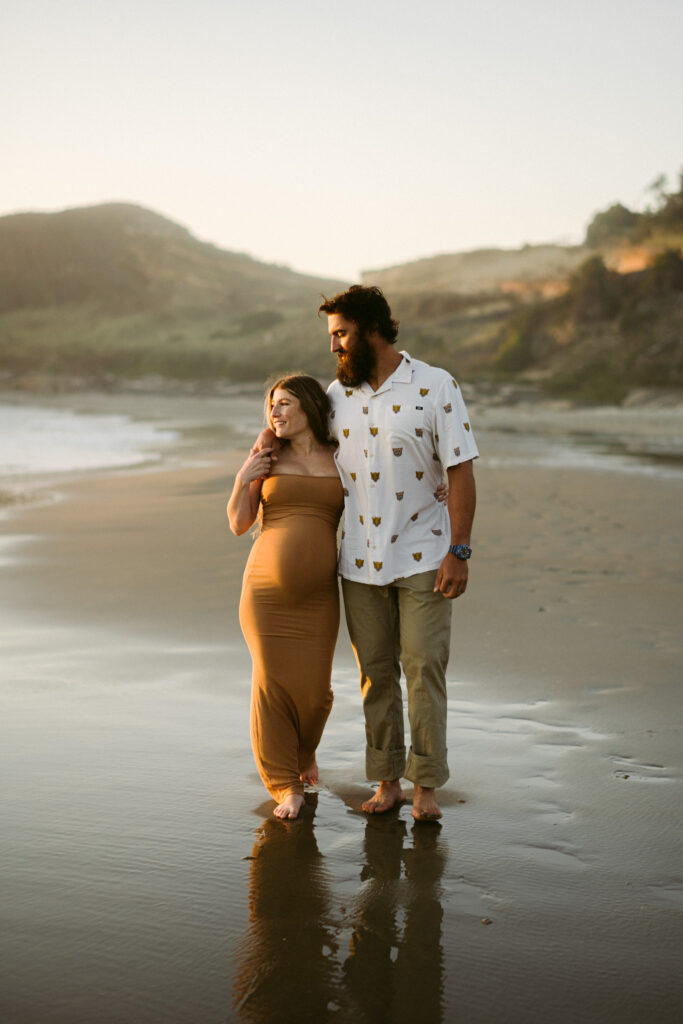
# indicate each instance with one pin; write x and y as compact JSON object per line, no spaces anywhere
{"x":453,"y":435}
{"x":332,"y":417}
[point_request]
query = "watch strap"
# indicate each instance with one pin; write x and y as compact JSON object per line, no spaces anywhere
{"x":461,"y":551}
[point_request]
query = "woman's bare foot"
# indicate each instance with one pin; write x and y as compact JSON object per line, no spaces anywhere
{"x":290,"y":806}
{"x":425,"y":807}
{"x":310,"y":775}
{"x":387,"y":796}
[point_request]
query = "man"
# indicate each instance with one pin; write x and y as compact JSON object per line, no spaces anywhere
{"x":400,"y":424}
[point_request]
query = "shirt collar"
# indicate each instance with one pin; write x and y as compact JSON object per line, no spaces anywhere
{"x":403,"y":374}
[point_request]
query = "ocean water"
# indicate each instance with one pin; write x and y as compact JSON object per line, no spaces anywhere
{"x":41,"y":439}
{"x":86,"y":432}
{"x":645,"y":441}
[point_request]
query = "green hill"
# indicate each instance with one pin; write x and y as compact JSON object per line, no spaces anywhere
{"x":453,"y":307}
{"x":619,"y":325}
{"x":117,"y":291}
{"x":533,"y":270}
{"x":590,"y":322}
{"x":109,"y":294}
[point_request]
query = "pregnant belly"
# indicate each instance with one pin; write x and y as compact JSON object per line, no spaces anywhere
{"x":293,"y":564}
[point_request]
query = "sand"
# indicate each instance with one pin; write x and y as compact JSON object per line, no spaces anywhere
{"x":145,"y":878}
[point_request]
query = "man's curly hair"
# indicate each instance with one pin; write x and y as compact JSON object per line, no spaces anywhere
{"x":366,"y":307}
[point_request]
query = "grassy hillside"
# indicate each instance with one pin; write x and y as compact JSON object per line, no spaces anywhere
{"x":537,"y":271}
{"x":111,"y":293}
{"x":117,"y":291}
{"x":603,"y":335}
{"x":452,"y":308}
{"x":590,"y":322}
{"x":619,"y":324}
{"x":609,"y":334}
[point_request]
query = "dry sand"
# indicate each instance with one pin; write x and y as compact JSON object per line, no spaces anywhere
{"x":145,"y":880}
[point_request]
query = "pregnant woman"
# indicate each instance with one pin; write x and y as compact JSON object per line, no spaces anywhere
{"x":289,"y":610}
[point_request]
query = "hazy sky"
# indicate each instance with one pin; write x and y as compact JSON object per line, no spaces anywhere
{"x":336,"y":137}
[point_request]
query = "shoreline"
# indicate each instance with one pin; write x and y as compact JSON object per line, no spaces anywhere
{"x":514,"y":429}
{"x":146,"y":875}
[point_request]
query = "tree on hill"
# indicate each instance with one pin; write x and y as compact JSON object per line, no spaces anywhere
{"x":595,"y":291}
{"x":666,"y":273}
{"x":617,"y":223}
{"x":669,"y":212}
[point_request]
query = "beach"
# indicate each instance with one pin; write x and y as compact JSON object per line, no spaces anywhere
{"x":145,"y":879}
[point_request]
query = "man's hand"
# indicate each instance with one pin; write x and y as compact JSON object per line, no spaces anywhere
{"x":451,"y":579}
{"x":267,"y":439}
{"x":441,"y":493}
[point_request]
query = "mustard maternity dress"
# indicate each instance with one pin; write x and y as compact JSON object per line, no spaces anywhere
{"x":289,"y":614}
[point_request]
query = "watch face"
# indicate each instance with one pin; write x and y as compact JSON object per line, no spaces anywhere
{"x":463,"y":552}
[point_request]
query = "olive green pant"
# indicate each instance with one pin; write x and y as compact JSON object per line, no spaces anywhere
{"x":402,"y":623}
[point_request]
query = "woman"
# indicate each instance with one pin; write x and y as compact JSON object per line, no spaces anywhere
{"x":289,"y":610}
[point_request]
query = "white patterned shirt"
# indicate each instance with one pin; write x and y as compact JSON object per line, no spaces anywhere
{"x":395,"y":445}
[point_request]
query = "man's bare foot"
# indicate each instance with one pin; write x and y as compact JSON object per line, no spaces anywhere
{"x":387,"y":796}
{"x":425,"y":807}
{"x":310,"y":775}
{"x":290,"y":806}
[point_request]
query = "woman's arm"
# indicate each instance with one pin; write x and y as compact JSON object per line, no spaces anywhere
{"x":246,"y":493}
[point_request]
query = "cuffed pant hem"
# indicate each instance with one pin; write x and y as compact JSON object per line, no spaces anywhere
{"x":384,"y":764}
{"x":426,"y":771}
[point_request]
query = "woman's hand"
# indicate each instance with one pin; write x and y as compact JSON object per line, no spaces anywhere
{"x":441,"y":493}
{"x":246,"y":493}
{"x":256,"y":467}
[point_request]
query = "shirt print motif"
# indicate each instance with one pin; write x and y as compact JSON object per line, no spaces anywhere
{"x":394,"y":448}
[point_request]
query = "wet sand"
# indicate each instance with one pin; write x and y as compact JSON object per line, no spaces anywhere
{"x":145,"y":879}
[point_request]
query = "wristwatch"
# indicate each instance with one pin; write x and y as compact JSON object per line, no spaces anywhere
{"x":461,"y":551}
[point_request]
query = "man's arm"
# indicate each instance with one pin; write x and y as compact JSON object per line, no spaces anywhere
{"x":451,"y":578}
{"x":267,"y":439}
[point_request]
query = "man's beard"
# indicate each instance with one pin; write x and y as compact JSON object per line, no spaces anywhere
{"x":355,"y":366}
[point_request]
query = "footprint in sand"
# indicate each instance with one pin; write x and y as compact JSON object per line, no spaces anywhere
{"x":628,"y":768}
{"x":669,"y":893}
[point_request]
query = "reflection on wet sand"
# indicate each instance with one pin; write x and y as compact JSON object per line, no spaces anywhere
{"x":297,"y":961}
{"x":286,"y":962}
{"x":394,"y":970}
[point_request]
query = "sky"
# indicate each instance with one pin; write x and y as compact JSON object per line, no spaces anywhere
{"x":341,"y":137}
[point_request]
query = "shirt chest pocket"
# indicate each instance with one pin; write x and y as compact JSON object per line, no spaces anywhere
{"x":405,"y":422}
